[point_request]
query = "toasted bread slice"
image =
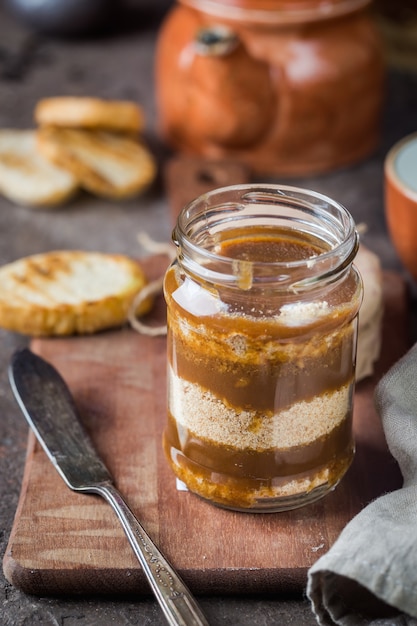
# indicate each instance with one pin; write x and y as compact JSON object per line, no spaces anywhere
{"x":92,"y":113}
{"x":68,"y":292}
{"x":28,"y":178}
{"x":107,"y":164}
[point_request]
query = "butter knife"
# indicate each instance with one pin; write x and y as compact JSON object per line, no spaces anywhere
{"x":49,"y":408}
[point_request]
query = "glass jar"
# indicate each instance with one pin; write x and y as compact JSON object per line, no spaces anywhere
{"x":262,"y":304}
{"x":271,"y":83}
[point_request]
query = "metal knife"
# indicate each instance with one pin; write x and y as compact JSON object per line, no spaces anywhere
{"x":48,"y":406}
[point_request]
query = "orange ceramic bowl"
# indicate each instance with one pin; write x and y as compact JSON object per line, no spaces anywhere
{"x":401,"y":200}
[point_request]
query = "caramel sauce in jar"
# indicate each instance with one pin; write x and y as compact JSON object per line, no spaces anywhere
{"x":262,"y":307}
{"x":272,"y":83}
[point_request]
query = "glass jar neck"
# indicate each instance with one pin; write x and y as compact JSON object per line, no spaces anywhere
{"x":265,"y":214}
{"x":276,"y":11}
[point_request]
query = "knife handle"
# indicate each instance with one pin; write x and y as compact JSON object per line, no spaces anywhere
{"x":178,"y":605}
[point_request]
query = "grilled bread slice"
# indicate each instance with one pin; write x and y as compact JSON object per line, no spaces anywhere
{"x":28,"y":178}
{"x":107,"y":164}
{"x":68,"y":292}
{"x":92,"y":113}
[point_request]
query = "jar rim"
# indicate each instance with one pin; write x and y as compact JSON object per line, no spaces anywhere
{"x":325,"y":266}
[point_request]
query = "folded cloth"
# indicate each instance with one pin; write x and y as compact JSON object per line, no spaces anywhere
{"x":369,"y":576}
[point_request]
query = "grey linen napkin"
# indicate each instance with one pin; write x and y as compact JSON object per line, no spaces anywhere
{"x":369,"y":576}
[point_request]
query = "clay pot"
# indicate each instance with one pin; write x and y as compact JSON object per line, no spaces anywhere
{"x":289,"y":87}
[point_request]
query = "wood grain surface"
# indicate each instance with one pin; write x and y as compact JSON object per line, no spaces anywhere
{"x":188,"y":177}
{"x":68,"y":543}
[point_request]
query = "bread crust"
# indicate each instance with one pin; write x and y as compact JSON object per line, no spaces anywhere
{"x":69,"y":292}
{"x":92,"y":113}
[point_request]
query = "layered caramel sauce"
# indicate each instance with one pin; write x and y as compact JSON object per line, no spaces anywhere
{"x":260,"y":381}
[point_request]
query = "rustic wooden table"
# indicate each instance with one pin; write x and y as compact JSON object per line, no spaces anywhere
{"x":121,"y":66}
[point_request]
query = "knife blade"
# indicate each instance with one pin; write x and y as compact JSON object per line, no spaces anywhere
{"x":48,"y":406}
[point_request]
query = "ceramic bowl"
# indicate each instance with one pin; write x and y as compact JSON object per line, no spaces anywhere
{"x":400,"y":173}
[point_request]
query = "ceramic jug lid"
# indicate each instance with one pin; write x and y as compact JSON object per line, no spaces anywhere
{"x":289,"y":11}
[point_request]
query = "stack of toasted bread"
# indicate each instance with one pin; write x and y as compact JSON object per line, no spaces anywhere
{"x":87,"y":143}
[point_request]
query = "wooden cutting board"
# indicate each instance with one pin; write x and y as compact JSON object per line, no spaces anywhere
{"x":68,"y":543}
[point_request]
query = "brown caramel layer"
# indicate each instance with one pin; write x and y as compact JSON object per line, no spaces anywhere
{"x":250,"y":492}
{"x":248,"y":465}
{"x":263,"y":384}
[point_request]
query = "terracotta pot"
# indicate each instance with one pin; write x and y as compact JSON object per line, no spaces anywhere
{"x":401,"y":200}
{"x":287,"y":87}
